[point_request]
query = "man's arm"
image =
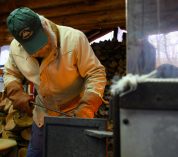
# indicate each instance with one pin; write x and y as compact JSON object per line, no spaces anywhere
{"x":14,"y":88}
{"x":94,"y":74}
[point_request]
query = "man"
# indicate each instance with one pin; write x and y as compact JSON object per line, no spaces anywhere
{"x":60,"y":62}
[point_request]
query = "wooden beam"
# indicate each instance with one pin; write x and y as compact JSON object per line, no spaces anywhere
{"x":36,"y":4}
{"x":47,"y":3}
{"x":60,"y":7}
{"x":69,"y":9}
{"x":82,"y":8}
{"x":87,"y":15}
{"x":33,"y":4}
{"x":99,"y":18}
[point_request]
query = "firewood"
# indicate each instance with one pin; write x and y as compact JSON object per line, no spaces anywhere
{"x":2,"y":104}
{"x":12,"y":152}
{"x":5,"y":144}
{"x":22,"y":152}
{"x":1,"y":128}
{"x":8,"y":104}
{"x":9,"y":135}
{"x":22,"y":119}
{"x":10,"y":124}
{"x":112,"y":54}
{"x":2,"y":118}
{"x":23,"y":143}
{"x":11,"y":109}
{"x":26,"y":133}
{"x":17,"y":121}
{"x":5,"y":104}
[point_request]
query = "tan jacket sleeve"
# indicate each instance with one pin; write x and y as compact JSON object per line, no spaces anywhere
{"x":11,"y":72}
{"x":90,"y":67}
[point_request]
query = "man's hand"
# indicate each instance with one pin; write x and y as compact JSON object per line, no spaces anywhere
{"x":84,"y":112}
{"x":22,"y":104}
{"x":19,"y":98}
{"x":88,"y":105}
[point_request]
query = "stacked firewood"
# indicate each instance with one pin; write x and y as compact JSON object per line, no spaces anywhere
{"x":16,"y":126}
{"x":112,"y":54}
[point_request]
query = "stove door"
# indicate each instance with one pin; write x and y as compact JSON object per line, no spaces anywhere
{"x":74,"y":137}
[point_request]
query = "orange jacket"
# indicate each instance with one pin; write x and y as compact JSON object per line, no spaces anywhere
{"x":69,"y":71}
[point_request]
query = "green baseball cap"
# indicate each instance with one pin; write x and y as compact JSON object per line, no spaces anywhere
{"x":25,"y":25}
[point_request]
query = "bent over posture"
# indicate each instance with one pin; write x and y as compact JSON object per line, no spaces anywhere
{"x":59,"y":61}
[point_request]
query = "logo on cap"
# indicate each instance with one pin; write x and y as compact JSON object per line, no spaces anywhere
{"x":26,"y":33}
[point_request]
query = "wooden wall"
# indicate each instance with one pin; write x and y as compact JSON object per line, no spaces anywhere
{"x":93,"y":17}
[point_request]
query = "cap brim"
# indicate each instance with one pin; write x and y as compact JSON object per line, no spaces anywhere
{"x":38,"y":40}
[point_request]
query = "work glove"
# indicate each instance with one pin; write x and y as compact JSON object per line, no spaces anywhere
{"x":88,"y":105}
{"x":20,"y":99}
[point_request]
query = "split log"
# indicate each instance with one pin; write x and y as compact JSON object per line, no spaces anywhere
{"x":8,"y":147}
{"x":6,"y":144}
{"x":17,"y":121}
{"x":12,"y":152}
{"x":23,"y":143}
{"x":2,"y":104}
{"x":112,"y":54}
{"x":2,"y":118}
{"x":1,"y":129}
{"x":22,"y":119}
{"x":9,"y":135}
{"x":5,"y":104}
{"x":11,"y":109}
{"x":22,"y":152}
{"x":8,"y":104}
{"x":10,"y":124}
{"x":26,"y":133}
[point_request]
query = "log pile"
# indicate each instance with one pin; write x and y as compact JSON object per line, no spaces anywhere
{"x":8,"y":148}
{"x":112,"y":54}
{"x":15,"y":126}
